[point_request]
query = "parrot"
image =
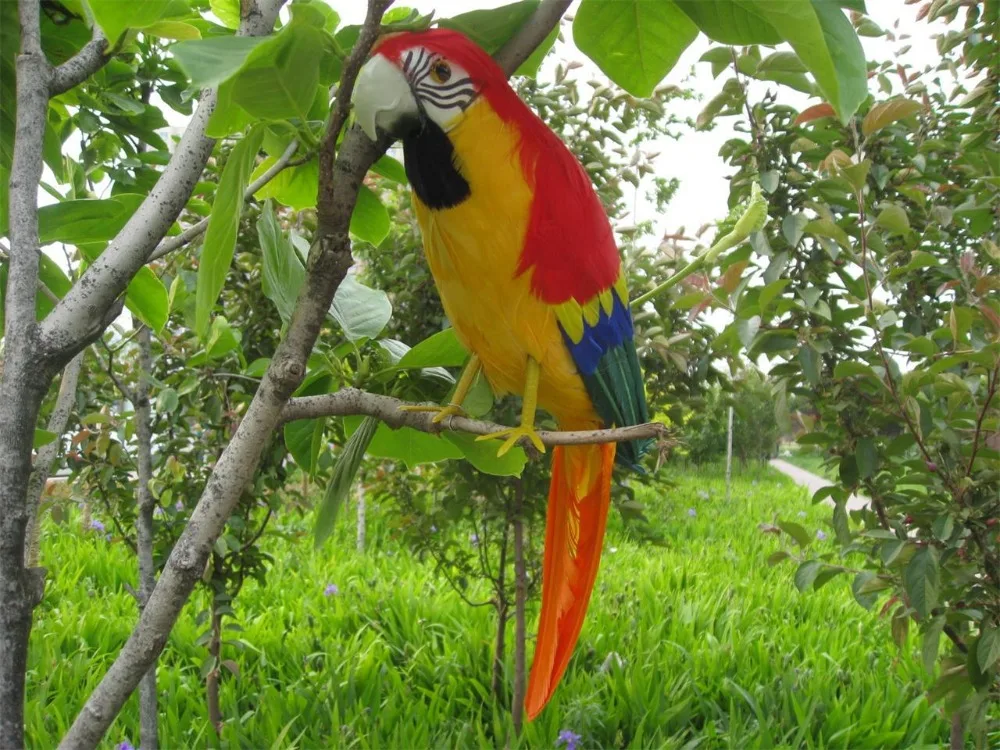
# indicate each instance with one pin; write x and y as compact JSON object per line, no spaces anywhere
{"x":528,"y":271}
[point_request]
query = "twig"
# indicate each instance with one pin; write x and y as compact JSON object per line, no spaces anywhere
{"x":196,"y":230}
{"x":352,"y":401}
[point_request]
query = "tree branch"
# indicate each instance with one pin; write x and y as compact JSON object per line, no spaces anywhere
{"x":79,"y":318}
{"x":196,"y":230}
{"x":81,"y":66}
{"x":329,"y":260}
{"x":533,"y":33}
{"x":352,"y":401}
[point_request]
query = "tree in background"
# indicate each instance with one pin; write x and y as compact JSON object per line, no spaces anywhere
{"x":755,"y":426}
{"x":873,"y":294}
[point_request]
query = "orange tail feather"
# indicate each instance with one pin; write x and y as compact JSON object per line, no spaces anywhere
{"x":579,"y":497}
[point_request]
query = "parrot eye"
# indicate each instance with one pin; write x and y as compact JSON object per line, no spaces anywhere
{"x":440,"y":72}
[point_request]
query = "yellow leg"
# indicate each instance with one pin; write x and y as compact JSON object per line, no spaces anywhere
{"x":454,"y":407}
{"x":528,"y":407}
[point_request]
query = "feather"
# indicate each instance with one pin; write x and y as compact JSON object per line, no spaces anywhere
{"x":579,"y":497}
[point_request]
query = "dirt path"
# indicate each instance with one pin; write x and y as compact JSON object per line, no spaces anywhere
{"x":812,"y":482}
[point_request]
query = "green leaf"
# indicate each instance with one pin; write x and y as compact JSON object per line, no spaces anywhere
{"x":988,"y":647}
{"x":391,"y":169}
{"x":893,"y":218}
{"x":227,"y":11}
{"x":114,"y":16}
{"x":797,"y":532}
{"x":279,"y":78}
{"x":866,"y":456}
{"x":361,"y":312}
{"x":370,"y":220}
{"x":826,"y":43}
{"x":747,"y":330}
{"x":492,"y":28}
{"x":224,"y":222}
{"x":295,"y":187}
{"x":87,"y":220}
{"x":284,"y":272}
{"x":410,"y":446}
{"x":175,"y":30}
{"x":920,"y":579}
{"x":209,"y":62}
{"x":931,"y":642}
{"x":344,"y":471}
{"x":483,"y":455}
{"x":443,"y":349}
{"x":147,"y":299}
{"x":731,"y":21}
{"x":806,"y":574}
{"x":43,"y":437}
{"x":635,"y":42}
{"x":809,"y":359}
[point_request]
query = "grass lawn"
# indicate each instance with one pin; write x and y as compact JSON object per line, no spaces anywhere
{"x":717,"y":650}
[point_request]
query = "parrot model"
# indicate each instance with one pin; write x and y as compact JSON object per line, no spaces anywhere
{"x":526,"y":264}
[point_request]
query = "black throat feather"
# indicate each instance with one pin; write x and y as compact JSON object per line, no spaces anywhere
{"x":431,"y":167}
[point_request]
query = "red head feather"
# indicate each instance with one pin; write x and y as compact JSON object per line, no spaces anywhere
{"x":569,"y":246}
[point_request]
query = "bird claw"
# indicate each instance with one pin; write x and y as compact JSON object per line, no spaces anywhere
{"x":442,"y":412}
{"x":514,"y":435}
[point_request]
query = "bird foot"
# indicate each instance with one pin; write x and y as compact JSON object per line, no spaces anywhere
{"x":514,"y":435}
{"x":442,"y":412}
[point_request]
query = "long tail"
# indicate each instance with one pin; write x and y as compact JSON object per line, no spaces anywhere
{"x":579,"y":497}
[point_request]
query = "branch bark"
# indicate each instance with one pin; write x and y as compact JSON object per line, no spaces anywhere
{"x":80,"y":317}
{"x":352,"y":401}
{"x":533,"y":33}
{"x":81,"y":66}
{"x":329,"y":260}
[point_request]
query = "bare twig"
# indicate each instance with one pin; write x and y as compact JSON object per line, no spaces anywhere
{"x":81,"y":66}
{"x":196,"y":230}
{"x":352,"y":401}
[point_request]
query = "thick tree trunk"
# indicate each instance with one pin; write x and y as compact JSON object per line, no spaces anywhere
{"x":24,"y":380}
{"x":144,"y":530}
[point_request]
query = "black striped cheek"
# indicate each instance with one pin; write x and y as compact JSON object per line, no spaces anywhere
{"x":432,"y":169}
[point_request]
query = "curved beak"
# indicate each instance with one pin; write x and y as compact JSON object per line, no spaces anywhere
{"x":382,"y":99}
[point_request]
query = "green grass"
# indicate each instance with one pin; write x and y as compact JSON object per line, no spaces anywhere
{"x":718,"y":650}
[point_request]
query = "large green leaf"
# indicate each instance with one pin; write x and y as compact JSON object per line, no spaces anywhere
{"x":209,"y":62}
{"x":412,"y":447}
{"x":295,"y":187}
{"x":921,"y":580}
{"x":361,"y":311}
{"x":635,"y":42}
{"x":303,"y":437}
{"x":88,"y":220}
{"x":114,"y":16}
{"x":340,"y":482}
{"x":220,"y":239}
{"x":279,"y":79}
{"x":284,"y":272}
{"x":491,"y":29}
{"x":370,"y":220}
{"x":483,"y":455}
{"x":442,"y":349}
{"x":147,"y":299}
{"x":826,"y":43}
{"x":731,"y":21}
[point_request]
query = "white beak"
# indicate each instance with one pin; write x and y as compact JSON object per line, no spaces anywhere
{"x":382,"y":98}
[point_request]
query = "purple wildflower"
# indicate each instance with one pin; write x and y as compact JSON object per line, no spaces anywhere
{"x":568,"y":738}
{"x":434,"y":529}
{"x":124,"y":745}
{"x":158,"y":512}
{"x":96,"y":525}
{"x":703,"y":495}
{"x":474,"y":540}
{"x":178,"y":506}
{"x":802,"y":514}
{"x":331,"y":590}
{"x":692,"y":512}
{"x":820,"y":534}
